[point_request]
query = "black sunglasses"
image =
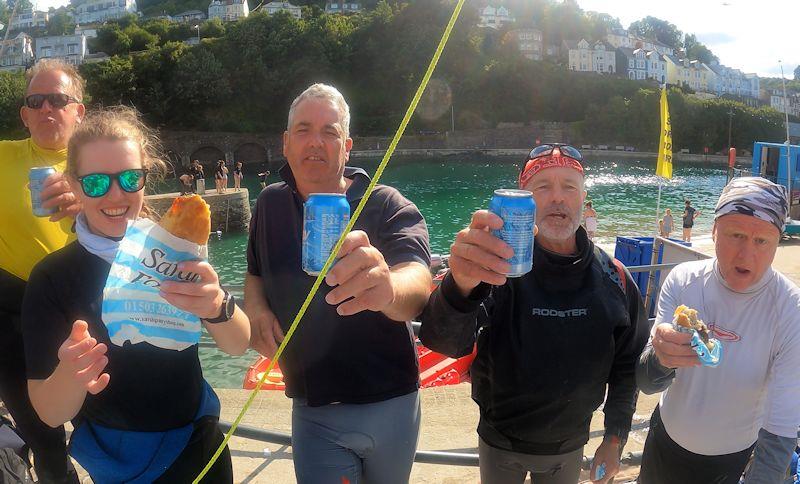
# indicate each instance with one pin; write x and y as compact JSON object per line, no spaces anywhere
{"x":56,"y":100}
{"x":544,"y":150}
{"x":96,"y":185}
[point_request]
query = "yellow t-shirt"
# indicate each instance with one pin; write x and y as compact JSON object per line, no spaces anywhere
{"x":24,"y":238}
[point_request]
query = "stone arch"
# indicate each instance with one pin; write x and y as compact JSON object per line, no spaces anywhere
{"x":208,"y":155}
{"x":174,"y":162}
{"x":251,"y":154}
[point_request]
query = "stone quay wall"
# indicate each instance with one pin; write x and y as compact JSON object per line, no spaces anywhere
{"x":230,"y":211}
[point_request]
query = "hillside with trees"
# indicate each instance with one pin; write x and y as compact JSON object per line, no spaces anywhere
{"x":243,"y":75}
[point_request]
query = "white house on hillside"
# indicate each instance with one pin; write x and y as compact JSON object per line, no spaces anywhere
{"x":735,"y":82}
{"x":656,"y":67}
{"x":619,"y":38}
{"x":17,"y":53}
{"x":190,"y":16}
{"x":597,"y":57}
{"x":342,"y":6}
{"x":494,"y":17}
{"x":622,"y":38}
{"x":791,"y":104}
{"x":70,"y":48}
{"x":275,"y":7}
{"x":529,"y":42}
{"x":96,"y":11}
{"x":28,"y":19}
{"x":89,"y":32}
{"x":690,"y":73}
{"x":228,"y":10}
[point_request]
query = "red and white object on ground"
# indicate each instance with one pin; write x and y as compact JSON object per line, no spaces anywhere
{"x":435,"y":369}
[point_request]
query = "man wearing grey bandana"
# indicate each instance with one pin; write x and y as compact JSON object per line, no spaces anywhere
{"x":710,"y":420}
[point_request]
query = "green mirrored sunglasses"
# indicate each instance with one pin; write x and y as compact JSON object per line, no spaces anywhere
{"x":97,"y":184}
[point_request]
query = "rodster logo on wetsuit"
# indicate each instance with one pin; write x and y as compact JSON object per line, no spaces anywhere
{"x":555,"y":313}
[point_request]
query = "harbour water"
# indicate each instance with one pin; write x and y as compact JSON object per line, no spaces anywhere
{"x":448,"y":190}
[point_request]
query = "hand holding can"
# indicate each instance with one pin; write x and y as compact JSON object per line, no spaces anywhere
{"x":518,"y":211}
{"x":325,"y":216}
{"x":37,"y":177}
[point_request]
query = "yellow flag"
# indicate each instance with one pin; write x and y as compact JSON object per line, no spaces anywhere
{"x":664,"y":166}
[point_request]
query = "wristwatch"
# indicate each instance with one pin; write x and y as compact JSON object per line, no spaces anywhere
{"x":226,"y":312}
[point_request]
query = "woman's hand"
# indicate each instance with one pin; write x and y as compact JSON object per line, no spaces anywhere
{"x":202,"y":298}
{"x":84,"y":359}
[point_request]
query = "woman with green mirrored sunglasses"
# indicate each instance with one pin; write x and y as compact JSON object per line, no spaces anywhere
{"x":112,"y":391}
{"x":97,"y":184}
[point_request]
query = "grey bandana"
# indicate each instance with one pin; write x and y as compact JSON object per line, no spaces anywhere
{"x":757,"y":197}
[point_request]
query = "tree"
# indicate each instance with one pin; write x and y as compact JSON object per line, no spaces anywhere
{"x":154,"y":69}
{"x":111,"y":82}
{"x":660,"y":30}
{"x":8,"y":6}
{"x":601,"y":23}
{"x":564,"y":21}
{"x":212,"y":28}
{"x":112,"y":40}
{"x":12,"y":91}
{"x":797,"y":73}
{"x":697,"y":50}
{"x":60,"y":23}
{"x":199,"y":83}
{"x":140,"y":38}
{"x":22,"y":5}
{"x":4,"y":13}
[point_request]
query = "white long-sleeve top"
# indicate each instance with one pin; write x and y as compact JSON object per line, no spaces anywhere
{"x":715,"y":411}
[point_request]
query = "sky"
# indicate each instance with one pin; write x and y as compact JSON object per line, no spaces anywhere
{"x":750,"y":35}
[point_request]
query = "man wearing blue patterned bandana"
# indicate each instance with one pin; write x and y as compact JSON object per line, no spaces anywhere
{"x":710,"y":420}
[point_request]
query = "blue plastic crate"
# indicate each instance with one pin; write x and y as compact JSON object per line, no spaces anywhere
{"x":638,"y":251}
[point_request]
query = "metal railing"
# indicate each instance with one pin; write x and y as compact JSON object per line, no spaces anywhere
{"x":421,"y":456}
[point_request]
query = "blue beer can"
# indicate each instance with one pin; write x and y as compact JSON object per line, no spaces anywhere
{"x":325,"y":216}
{"x":36,"y":177}
{"x":518,"y":211}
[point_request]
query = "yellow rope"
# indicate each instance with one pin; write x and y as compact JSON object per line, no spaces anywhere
{"x":399,"y":134}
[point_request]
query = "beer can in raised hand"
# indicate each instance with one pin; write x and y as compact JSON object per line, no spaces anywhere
{"x":36,"y":178}
{"x":325,"y":216}
{"x":518,"y":211}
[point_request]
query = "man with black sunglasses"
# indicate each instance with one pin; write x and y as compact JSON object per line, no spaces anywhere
{"x":51,"y":112}
{"x":549,"y":343}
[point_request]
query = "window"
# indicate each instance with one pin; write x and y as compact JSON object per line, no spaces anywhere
{"x":72,"y":48}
